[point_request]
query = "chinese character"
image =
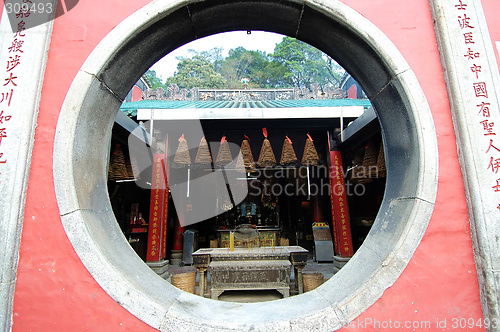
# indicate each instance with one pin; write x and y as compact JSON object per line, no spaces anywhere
{"x":497,"y":186}
{"x":461,"y":6}
{"x":4,"y":117}
{"x":498,"y":207}
{"x":16,"y":46}
{"x":464,"y":22}
{"x":13,"y":62}
{"x":7,"y":95}
{"x":3,"y":133}
{"x":2,"y":161}
{"x":484,"y":109}
{"x":10,"y":79}
{"x":488,"y":127}
{"x":20,"y":29}
{"x":471,"y":55}
{"x":494,"y":164}
{"x":468,"y":38}
{"x":492,"y":146}
{"x":24,"y":12}
{"x":476,"y":70}
{"x":480,"y":89}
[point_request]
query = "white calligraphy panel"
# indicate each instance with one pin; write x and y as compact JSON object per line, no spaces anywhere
{"x":23,"y":56}
{"x":472,"y":77}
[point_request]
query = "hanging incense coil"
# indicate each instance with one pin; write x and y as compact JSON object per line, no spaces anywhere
{"x":370,"y":160}
{"x":203,"y":156}
{"x":359,"y":174}
{"x":224,"y":156}
{"x":240,"y":164}
{"x":266,"y":156}
{"x":310,"y":156}
{"x":117,"y":166}
{"x":288,"y":156}
{"x":382,"y":171}
{"x":182,"y":156}
{"x":130,"y":172}
{"x":246,"y":154}
{"x":110,"y":169}
{"x":136,"y":174}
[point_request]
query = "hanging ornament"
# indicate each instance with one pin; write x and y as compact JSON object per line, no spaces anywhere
{"x":370,"y":160}
{"x":130,"y":172}
{"x":310,"y":156}
{"x":288,"y":156}
{"x":266,"y":156}
{"x":246,"y":153}
{"x":135,"y":168}
{"x":203,"y":156}
{"x":240,"y":165}
{"x":117,"y":166}
{"x":224,"y":156}
{"x":182,"y":156}
{"x":359,"y":173}
{"x":382,"y":171}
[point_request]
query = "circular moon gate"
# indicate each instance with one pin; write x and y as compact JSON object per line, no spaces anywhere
{"x":84,"y":132}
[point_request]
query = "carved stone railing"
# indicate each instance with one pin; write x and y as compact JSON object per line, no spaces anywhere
{"x":175,"y":93}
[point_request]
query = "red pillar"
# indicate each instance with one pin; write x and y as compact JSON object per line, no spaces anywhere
{"x":178,"y":231}
{"x":317,"y":208}
{"x":340,"y":214}
{"x":157,"y":222}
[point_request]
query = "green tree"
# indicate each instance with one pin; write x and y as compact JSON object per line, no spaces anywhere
{"x":155,"y":81}
{"x":241,"y":63}
{"x":306,"y":64}
{"x":214,"y":56}
{"x":196,"y":71}
{"x":256,"y":66}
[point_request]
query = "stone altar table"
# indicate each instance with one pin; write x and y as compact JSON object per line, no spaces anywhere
{"x":250,"y":268}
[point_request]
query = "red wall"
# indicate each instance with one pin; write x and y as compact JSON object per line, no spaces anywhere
{"x":136,"y":93}
{"x":352,"y":92}
{"x":54,"y":291}
{"x":440,"y":281}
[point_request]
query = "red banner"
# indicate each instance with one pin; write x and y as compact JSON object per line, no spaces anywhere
{"x":165,"y":212}
{"x":158,"y":212}
{"x":340,"y":214}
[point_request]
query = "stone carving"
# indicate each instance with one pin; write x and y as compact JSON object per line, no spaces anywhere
{"x":315,"y":92}
{"x":174,"y":93}
{"x":150,"y":94}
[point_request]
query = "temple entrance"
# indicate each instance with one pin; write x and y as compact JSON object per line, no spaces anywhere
{"x":107,"y":76}
{"x":298,"y":165}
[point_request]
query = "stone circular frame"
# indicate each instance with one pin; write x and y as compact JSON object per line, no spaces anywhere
{"x":84,"y":132}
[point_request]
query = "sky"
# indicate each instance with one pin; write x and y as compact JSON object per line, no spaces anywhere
{"x":257,"y":40}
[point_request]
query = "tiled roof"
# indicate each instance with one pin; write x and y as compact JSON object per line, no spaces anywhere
{"x":132,"y":107}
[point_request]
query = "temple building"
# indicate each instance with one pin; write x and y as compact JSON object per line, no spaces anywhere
{"x":132,"y":209}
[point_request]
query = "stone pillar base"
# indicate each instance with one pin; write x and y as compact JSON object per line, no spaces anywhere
{"x":176,"y":258}
{"x":339,"y":262}
{"x":160,"y":268}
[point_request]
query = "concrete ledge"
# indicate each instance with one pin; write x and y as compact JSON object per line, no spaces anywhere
{"x":160,"y":268}
{"x":339,"y":262}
